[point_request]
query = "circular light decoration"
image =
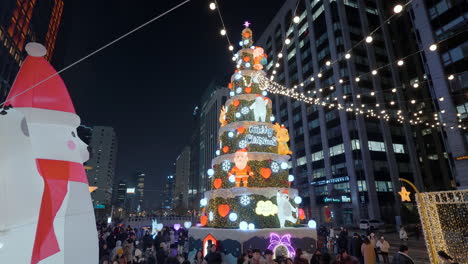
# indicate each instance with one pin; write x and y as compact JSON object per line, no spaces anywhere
{"x":211,"y":216}
{"x":232,"y":178}
{"x":252,"y":47}
{"x":312,"y":224}
{"x":223,"y":32}
{"x":203,"y":202}
{"x":231,"y":134}
{"x":238,"y":90}
{"x":400,"y":63}
{"x":233,"y":217}
{"x":231,"y":48}
{"x":433,"y":47}
{"x":251,"y":226}
{"x":243,"y":225}
{"x":210,"y":172}
{"x":347,"y":56}
{"x":296,"y":19}
{"x":237,"y":76}
{"x":238,"y":115}
{"x":246,"y":42}
{"x":247,"y":65}
{"x":451,"y":77}
{"x":284,"y":165}
{"x":233,"y":58}
{"x":245,"y":200}
{"x":226,"y":165}
{"x":245,"y":110}
{"x":298,"y":200}
{"x":242,"y":144}
{"x":264,"y":93}
{"x":291,"y":178}
{"x":274,"y":166}
{"x":187,"y":224}
{"x":369,"y":39}
{"x":272,"y":118}
{"x":231,"y":93}
{"x":218,"y":152}
{"x":240,"y":43}
{"x":287,"y":41}
{"x":397,"y":9}
{"x":374,"y":72}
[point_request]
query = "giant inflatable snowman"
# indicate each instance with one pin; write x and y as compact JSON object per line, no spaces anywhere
{"x":46,"y":214}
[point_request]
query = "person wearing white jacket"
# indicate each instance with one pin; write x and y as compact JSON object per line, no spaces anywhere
{"x":384,"y":248}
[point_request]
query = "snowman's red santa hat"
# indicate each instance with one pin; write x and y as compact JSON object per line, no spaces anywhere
{"x":49,"y":93}
{"x":285,"y":191}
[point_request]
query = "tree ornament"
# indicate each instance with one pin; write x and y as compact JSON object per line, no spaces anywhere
{"x":282,"y":136}
{"x":225,"y":149}
{"x":246,"y":58}
{"x":218,"y":183}
{"x":301,"y":214}
{"x":204,"y":220}
{"x":222,"y":116}
{"x":248,"y":90}
{"x":265,"y":172}
{"x":236,"y":103}
{"x":223,"y":210}
{"x":240,"y":130}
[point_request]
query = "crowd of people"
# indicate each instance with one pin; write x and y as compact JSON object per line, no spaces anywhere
{"x":125,"y":245}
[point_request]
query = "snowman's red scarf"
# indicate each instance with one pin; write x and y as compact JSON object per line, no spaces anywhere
{"x":56,"y":175}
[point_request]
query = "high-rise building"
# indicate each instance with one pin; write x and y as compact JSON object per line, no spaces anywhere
{"x":182,"y":177}
{"x":346,"y":165}
{"x":23,"y":21}
{"x":212,"y":100}
{"x":444,"y":24}
{"x":121,"y":193}
{"x":168,"y":193}
{"x":140,"y":191}
{"x":194,"y":184}
{"x":101,"y":164}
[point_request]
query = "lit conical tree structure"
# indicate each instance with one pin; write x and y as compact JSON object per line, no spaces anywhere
{"x":250,"y":176}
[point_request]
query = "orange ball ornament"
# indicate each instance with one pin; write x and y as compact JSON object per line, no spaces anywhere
{"x":301,"y":214}
{"x":236,"y":103}
{"x":240,"y":130}
{"x":217,"y":183}
{"x":204,"y":220}
{"x":225,"y":149}
{"x":223,"y":210}
{"x":230,"y":86}
{"x":248,"y":90}
{"x":265,"y":172}
{"x":246,"y":58}
{"x":246,"y":35}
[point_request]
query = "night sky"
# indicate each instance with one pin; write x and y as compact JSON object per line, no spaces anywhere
{"x":147,"y":85}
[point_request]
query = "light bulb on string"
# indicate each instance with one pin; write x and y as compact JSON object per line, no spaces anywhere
{"x":369,"y":39}
{"x":451,"y":77}
{"x":341,"y":80}
{"x":374,"y":72}
{"x":413,"y":101}
{"x":400,"y":63}
{"x":398,"y":8}
{"x":296,"y":19}
{"x":357,"y":79}
{"x":433,"y":47}
{"x":416,"y":85}
{"x":223,"y":32}
{"x":287,"y":41}
{"x":319,"y":75}
{"x":277,"y":65}
{"x":231,"y":48}
{"x":280,"y":55}
{"x":212,"y":6}
{"x":347,"y":56}
{"x":328,"y":63}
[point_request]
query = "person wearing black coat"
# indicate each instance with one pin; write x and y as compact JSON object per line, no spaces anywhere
{"x":213,"y":257}
{"x":402,"y":257}
{"x":355,"y":246}
{"x":342,"y":241}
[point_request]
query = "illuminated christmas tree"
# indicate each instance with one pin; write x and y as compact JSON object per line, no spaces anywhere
{"x":250,"y":175}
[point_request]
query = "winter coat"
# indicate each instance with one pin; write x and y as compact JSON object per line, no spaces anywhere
{"x":403,"y":234}
{"x":355,"y":248}
{"x":402,"y":258}
{"x":213,"y":258}
{"x":368,"y":253}
{"x":129,"y":249}
{"x":118,"y":245}
{"x":384,"y":246}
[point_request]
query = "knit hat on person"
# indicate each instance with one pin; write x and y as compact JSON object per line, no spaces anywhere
{"x":120,"y":251}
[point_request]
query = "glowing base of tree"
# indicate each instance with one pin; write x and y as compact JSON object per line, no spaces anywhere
{"x":233,"y":242}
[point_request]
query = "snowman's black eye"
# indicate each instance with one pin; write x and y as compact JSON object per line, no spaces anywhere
{"x":73,"y":134}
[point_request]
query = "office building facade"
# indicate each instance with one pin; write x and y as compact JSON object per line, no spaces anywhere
{"x":168,"y":193}
{"x":213,"y":98}
{"x":346,"y":165}
{"x":101,"y":165}
{"x":23,"y":21}
{"x":182,"y":176}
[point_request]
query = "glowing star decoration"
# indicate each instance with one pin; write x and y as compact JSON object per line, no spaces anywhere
{"x":266,"y":208}
{"x":41,"y":153}
{"x":285,"y":209}
{"x":251,"y":226}
{"x":245,"y":200}
{"x":405,"y":195}
{"x":233,"y":217}
{"x":226,"y":165}
{"x":312,"y":224}
{"x":187,"y":224}
{"x":245,"y":110}
{"x":203,"y":202}
{"x":284,"y":241}
{"x":260,"y":108}
{"x":275,"y":167}
{"x":242,"y":144}
{"x":243,"y":225}
{"x":247,"y":24}
{"x":210,"y":216}
{"x":154,"y":225}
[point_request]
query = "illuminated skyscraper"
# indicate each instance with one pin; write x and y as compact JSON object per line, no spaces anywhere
{"x":23,"y":21}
